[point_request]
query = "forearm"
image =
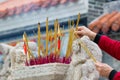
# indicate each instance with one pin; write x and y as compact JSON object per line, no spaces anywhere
{"x":97,"y":38}
{"x":110,"y":46}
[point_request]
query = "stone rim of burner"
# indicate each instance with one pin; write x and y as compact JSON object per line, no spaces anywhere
{"x":50,"y":69}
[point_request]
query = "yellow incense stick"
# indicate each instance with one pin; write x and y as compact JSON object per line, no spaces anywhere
{"x":28,"y":54}
{"x":87,"y":51}
{"x":47,"y":37}
{"x":51,"y":36}
{"x":69,"y":24}
{"x":71,"y":39}
{"x":55,"y":34}
{"x":59,"y":35}
{"x":78,"y":20}
{"x":39,"y":41}
{"x":42,"y":49}
{"x":69,"y":47}
{"x":73,"y":24}
{"x":67,"y":52}
{"x":26,"y":41}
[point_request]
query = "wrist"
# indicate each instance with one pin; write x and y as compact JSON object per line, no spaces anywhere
{"x":112,"y":74}
{"x":92,"y":35}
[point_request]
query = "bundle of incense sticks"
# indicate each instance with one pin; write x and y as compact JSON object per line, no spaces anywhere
{"x":43,"y":56}
{"x":51,"y":53}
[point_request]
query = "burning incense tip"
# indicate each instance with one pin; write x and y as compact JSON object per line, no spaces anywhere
{"x":39,"y":23}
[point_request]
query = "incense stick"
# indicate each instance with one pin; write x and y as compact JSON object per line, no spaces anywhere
{"x":87,"y":51}
{"x":73,"y":23}
{"x":69,"y":24}
{"x":43,"y":50}
{"x":55,"y":35}
{"x":69,"y":47}
{"x":78,"y":20}
{"x":39,"y":41}
{"x":26,"y":41}
{"x":47,"y":37}
{"x":50,"y":39}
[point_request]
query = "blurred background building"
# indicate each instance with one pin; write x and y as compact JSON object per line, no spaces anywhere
{"x":25,"y":16}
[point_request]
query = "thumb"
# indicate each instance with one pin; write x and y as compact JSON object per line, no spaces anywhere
{"x":79,"y":33}
{"x":80,"y":28}
{"x":97,"y":63}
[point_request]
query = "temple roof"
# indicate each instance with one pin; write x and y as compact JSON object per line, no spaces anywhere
{"x":11,"y":7}
{"x":107,"y":22}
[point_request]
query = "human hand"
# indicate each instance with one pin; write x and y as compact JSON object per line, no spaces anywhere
{"x":103,"y":69}
{"x":82,"y":30}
